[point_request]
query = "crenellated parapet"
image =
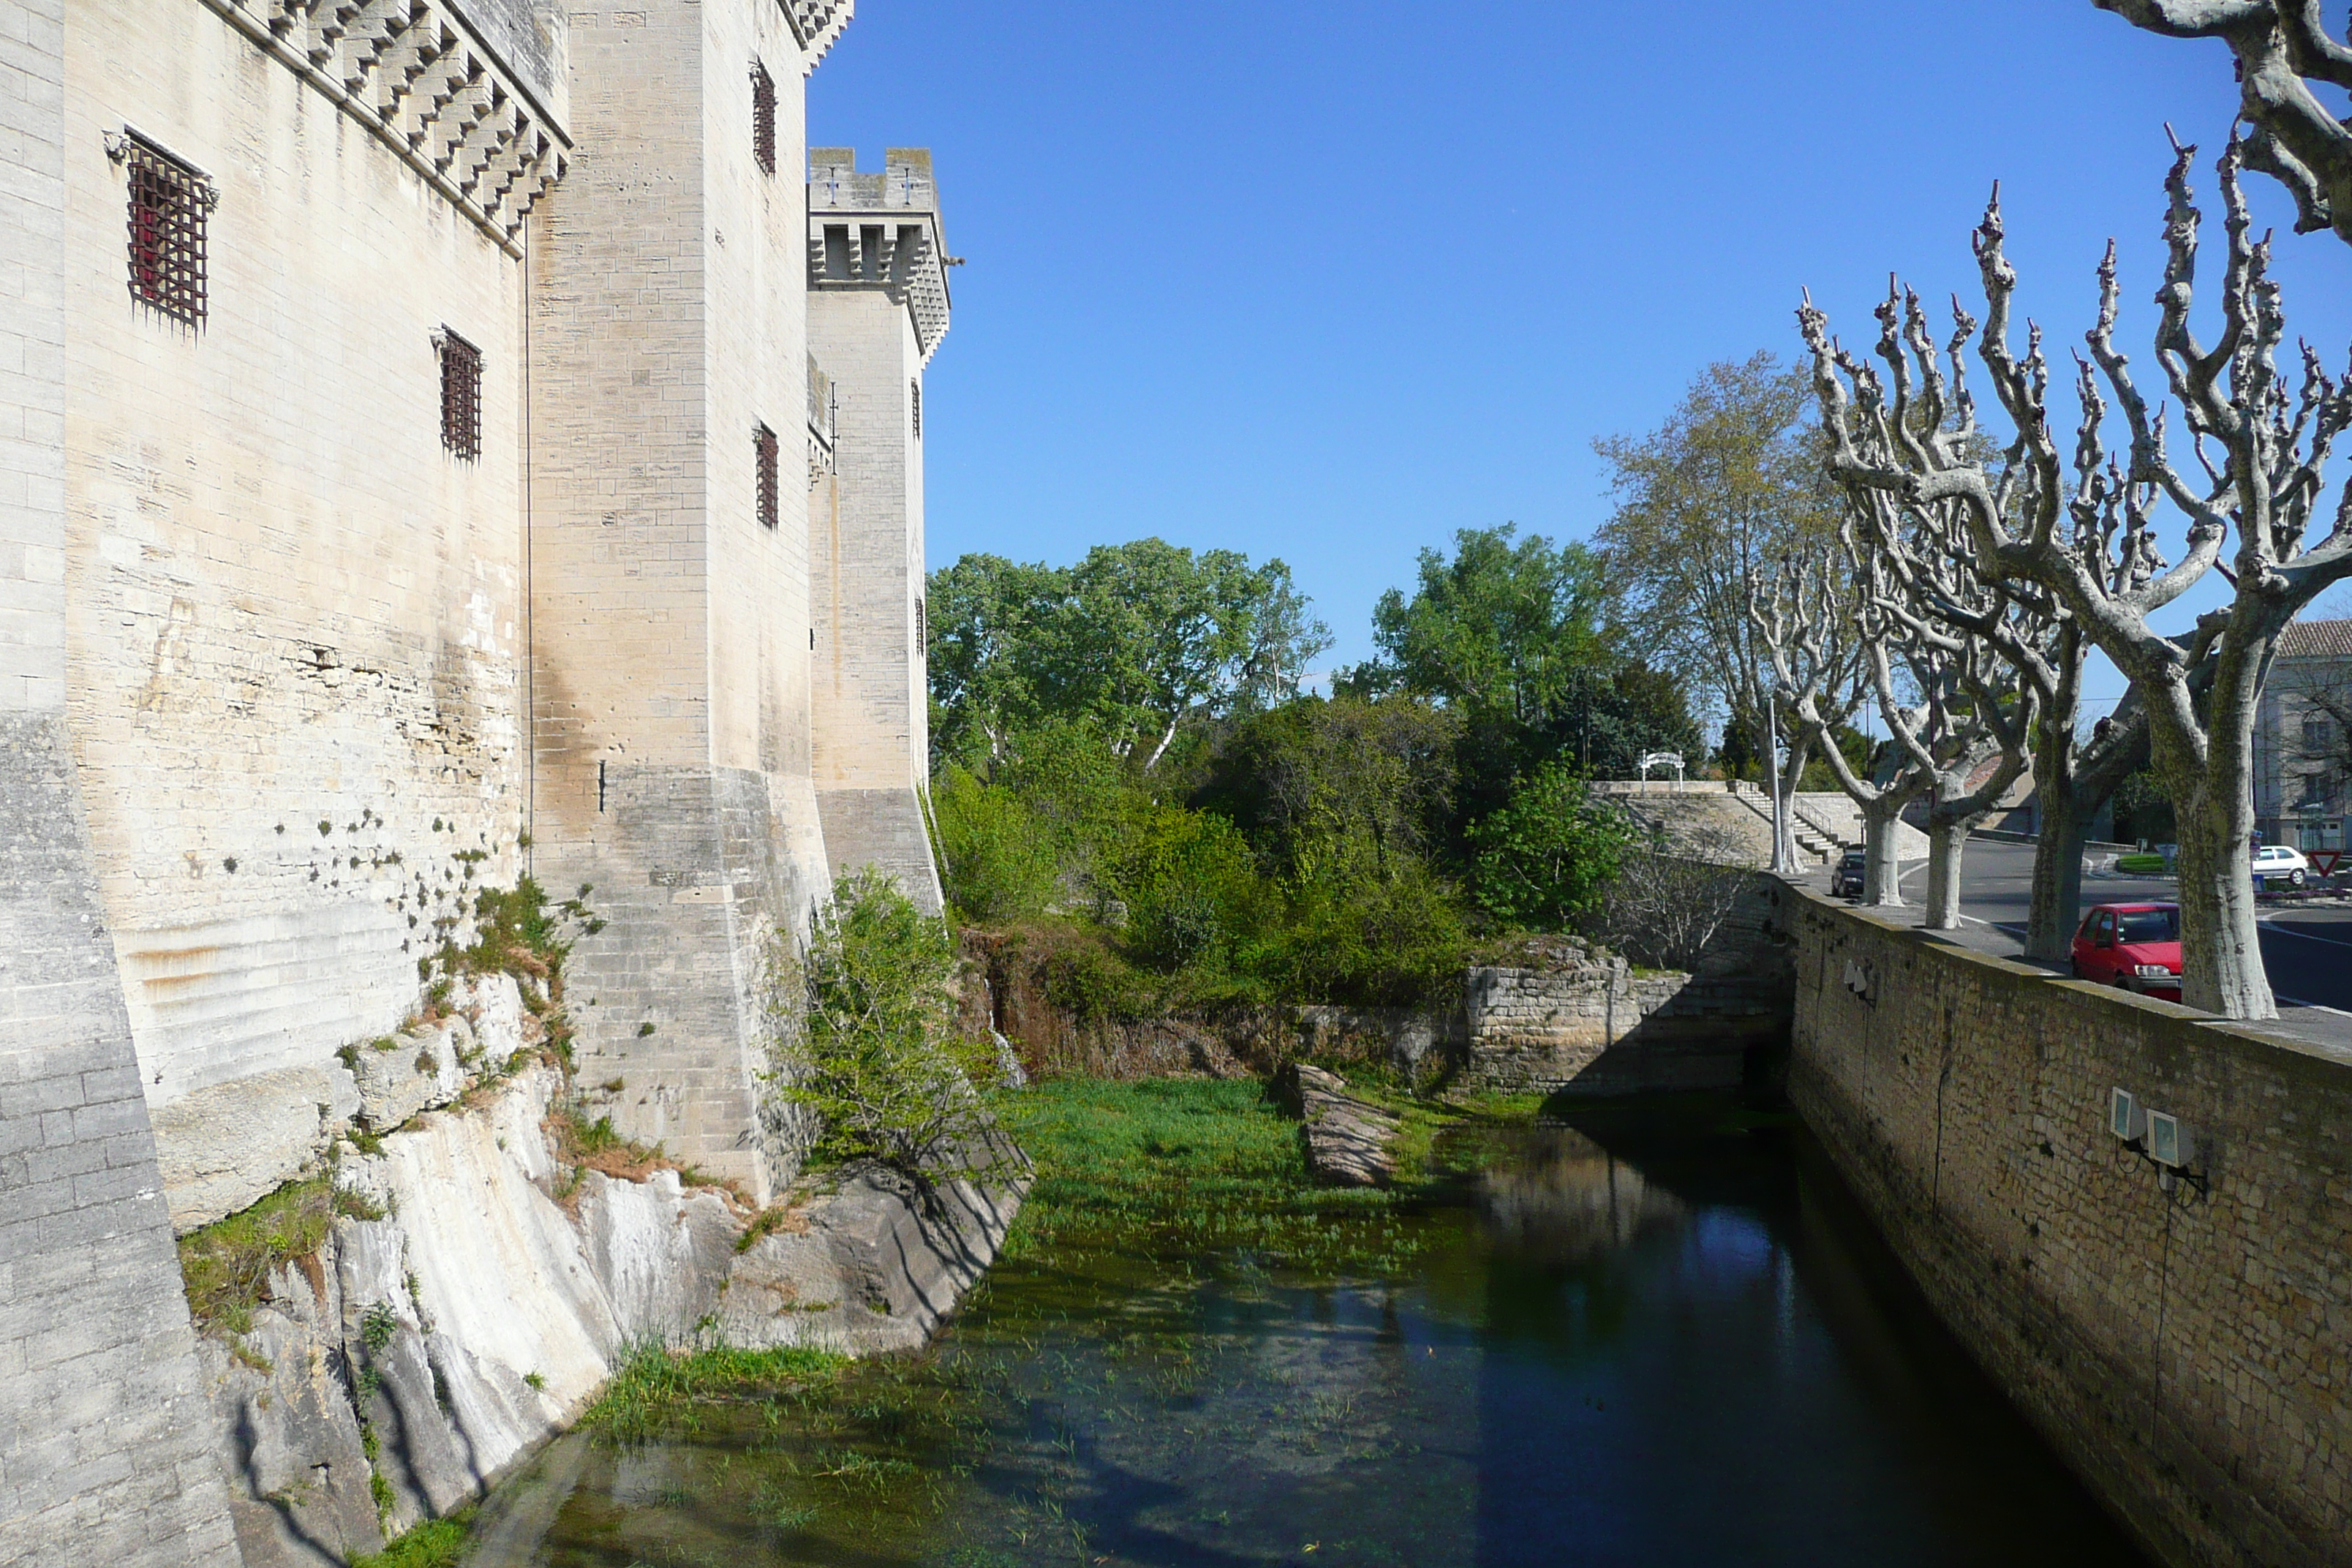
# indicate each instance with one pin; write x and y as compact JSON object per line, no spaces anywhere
{"x":816,"y":24}
{"x":419,"y":75}
{"x":881,"y":230}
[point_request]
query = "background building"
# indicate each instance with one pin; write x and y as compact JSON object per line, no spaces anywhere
{"x":2303,"y":738}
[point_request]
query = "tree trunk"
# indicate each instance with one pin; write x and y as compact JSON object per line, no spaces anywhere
{"x":1882,"y":874}
{"x":2057,"y":870}
{"x":1946,"y":840}
{"x":1784,"y":806}
{"x":2221,"y":944}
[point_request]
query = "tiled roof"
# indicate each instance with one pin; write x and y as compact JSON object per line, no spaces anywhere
{"x":2316,"y":639}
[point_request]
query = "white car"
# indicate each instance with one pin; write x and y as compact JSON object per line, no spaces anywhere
{"x":2277,"y":862}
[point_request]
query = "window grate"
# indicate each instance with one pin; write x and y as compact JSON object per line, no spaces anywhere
{"x":461,"y":396}
{"x":765,"y":446}
{"x":916,"y":389}
{"x":169,"y":204}
{"x":763,"y":118}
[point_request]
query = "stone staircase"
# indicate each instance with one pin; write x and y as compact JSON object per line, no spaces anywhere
{"x":1815,"y":840}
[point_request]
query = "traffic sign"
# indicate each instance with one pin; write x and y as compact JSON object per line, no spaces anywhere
{"x":2326,"y":861}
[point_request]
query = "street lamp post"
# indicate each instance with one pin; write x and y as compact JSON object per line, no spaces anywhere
{"x":1782,"y":858}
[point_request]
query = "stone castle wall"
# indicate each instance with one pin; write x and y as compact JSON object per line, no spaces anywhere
{"x":2189,"y":1353}
{"x":295,"y":618}
{"x":672,"y":630}
{"x":106,"y":1444}
{"x":869,"y":311}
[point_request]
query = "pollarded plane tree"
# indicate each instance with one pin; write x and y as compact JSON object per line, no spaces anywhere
{"x":1969,"y":737}
{"x":2262,"y":451}
{"x":1808,"y":623}
{"x":2283,"y":49}
{"x":2028,"y":626}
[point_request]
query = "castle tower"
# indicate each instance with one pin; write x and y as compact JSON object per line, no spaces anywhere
{"x":877,"y":309}
{"x":668,"y":550}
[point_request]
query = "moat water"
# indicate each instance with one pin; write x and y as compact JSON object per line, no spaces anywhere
{"x":1649,"y":1337}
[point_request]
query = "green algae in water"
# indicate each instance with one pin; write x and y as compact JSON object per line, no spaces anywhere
{"x":1644,"y":1345}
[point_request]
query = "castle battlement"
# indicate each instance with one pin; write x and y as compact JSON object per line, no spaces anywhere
{"x":881,"y":229}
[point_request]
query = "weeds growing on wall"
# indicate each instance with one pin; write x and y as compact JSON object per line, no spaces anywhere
{"x":583,"y":1145}
{"x":226,"y":1265}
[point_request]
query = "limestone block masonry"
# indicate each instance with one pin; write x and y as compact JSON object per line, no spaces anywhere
{"x":670,"y":554}
{"x":106,"y":1444}
{"x":293,"y":640}
{"x":2189,"y":1351}
{"x":878,"y":306}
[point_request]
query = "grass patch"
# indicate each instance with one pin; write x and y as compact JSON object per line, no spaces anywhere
{"x":656,"y":1389}
{"x":437,"y":1543}
{"x":586,"y":1145}
{"x":228,"y":1264}
{"x":1190,"y":1164}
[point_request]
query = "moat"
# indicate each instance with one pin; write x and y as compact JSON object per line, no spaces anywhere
{"x":1659,"y":1335}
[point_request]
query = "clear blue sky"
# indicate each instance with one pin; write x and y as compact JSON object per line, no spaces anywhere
{"x":1331,"y":281}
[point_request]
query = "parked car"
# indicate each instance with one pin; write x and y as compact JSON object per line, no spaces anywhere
{"x":2276,"y":861}
{"x":1846,"y":881}
{"x":2134,"y":946}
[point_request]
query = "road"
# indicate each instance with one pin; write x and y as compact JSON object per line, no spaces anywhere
{"x":2306,"y":948}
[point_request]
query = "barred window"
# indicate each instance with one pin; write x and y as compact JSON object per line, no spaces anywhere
{"x":764,"y":445}
{"x":170,"y":201}
{"x":763,"y":118}
{"x":922,"y":630}
{"x":461,"y":395}
{"x":916,"y":388}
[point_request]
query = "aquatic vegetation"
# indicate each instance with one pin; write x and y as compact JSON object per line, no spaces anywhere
{"x":1198,"y":1167}
{"x":437,"y":1543}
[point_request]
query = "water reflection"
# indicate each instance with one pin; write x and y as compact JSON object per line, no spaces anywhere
{"x":1644,"y":1340}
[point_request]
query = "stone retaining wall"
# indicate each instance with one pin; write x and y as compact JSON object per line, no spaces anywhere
{"x":2189,"y":1353}
{"x":1598,"y":1030}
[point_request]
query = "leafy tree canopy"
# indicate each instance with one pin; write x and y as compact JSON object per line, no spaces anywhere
{"x":1132,"y":639}
{"x":1708,"y":504}
{"x":1497,"y":630}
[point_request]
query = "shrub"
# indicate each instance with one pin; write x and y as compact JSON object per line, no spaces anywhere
{"x":877,"y":1060}
{"x":996,"y":862}
{"x":1545,"y":857}
{"x":1663,"y":909}
{"x":1192,"y":888}
{"x":1349,"y":935}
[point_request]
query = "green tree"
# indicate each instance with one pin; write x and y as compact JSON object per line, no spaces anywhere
{"x":984,"y":613}
{"x":1134,"y":639}
{"x":1708,"y":505}
{"x":1546,"y":858}
{"x":876,"y":1057}
{"x":1379,"y":773}
{"x":1497,"y":630}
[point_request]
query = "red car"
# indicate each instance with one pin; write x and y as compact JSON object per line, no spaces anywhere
{"x":2135,"y":946}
